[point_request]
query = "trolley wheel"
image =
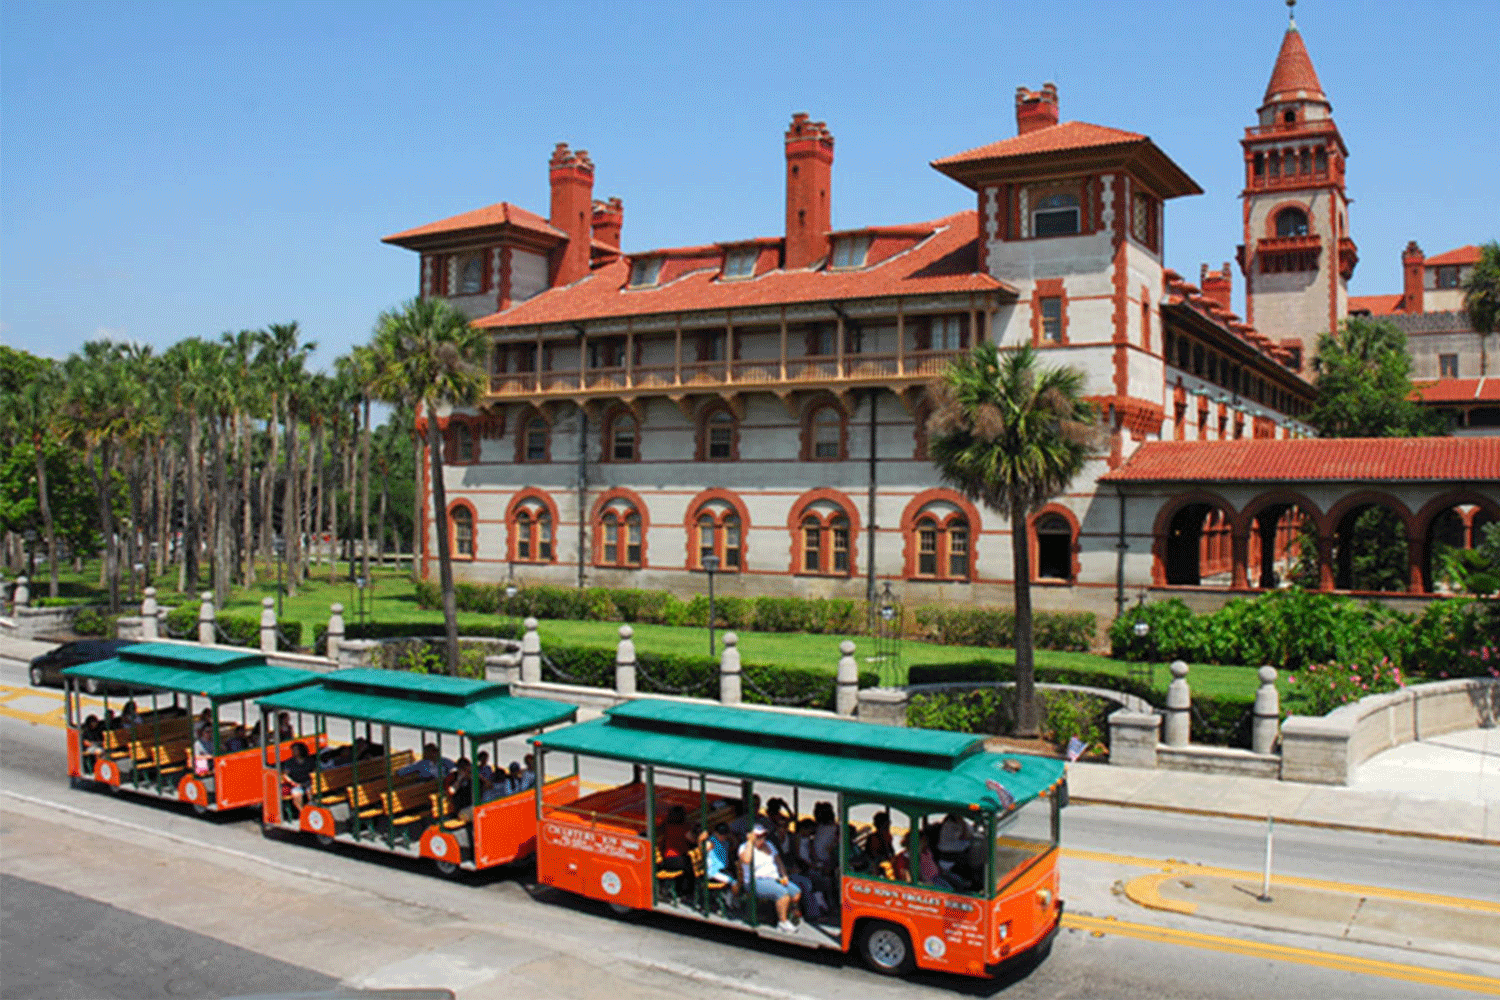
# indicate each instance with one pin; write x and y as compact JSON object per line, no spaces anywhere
{"x":620,"y":909}
{"x":886,"y":948}
{"x":446,"y":867}
{"x":324,"y":840}
{"x":201,"y":810}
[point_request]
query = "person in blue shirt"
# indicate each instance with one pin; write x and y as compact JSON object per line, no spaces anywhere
{"x":433,"y":766}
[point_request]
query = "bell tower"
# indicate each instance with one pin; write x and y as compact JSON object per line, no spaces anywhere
{"x":1297,"y":255}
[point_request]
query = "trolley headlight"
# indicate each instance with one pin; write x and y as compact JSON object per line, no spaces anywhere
{"x":1044,"y":898}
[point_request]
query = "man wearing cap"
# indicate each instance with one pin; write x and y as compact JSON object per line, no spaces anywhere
{"x":764,"y":871}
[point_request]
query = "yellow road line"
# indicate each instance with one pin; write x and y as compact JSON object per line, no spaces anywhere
{"x":1291,"y":881}
{"x":1285,"y":953}
{"x":57,"y":717}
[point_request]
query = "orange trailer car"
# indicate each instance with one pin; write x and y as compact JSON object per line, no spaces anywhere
{"x":175,"y":735}
{"x":466,"y":813}
{"x":922,"y":850}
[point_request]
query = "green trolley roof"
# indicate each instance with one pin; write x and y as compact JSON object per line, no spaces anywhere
{"x":423,"y":701}
{"x":217,"y":672}
{"x":948,"y":770}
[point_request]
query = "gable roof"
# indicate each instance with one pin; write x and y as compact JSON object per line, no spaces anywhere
{"x":1458,"y":390}
{"x":501,"y":214}
{"x":944,"y":262}
{"x":1335,"y":460}
{"x":1378,"y":305}
{"x":1293,"y":77}
{"x":1463,"y":255}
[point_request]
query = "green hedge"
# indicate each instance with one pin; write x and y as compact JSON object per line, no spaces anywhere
{"x":182,"y":622}
{"x":1065,"y":714}
{"x":1292,"y":628}
{"x":995,"y":671}
{"x":1069,"y":631}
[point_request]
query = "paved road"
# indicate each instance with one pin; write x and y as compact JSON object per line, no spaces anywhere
{"x":376,"y":921}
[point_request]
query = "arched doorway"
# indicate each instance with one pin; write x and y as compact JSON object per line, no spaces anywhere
{"x":1198,"y":546}
{"x":1283,"y":540}
{"x":1370,"y":551}
{"x":1457,"y":527}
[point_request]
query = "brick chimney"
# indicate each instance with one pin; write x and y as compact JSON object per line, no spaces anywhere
{"x":1216,"y":285}
{"x":1036,"y":109}
{"x":572,"y":178}
{"x":609,"y":219}
{"x":809,"y":171}
{"x":1413,"y":271}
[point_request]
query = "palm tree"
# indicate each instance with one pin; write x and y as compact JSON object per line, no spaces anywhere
{"x":30,"y":413}
{"x":284,"y":360}
{"x":1482,"y":289}
{"x":429,"y":353}
{"x":95,"y":412}
{"x":1011,"y":437}
{"x":249,"y":402}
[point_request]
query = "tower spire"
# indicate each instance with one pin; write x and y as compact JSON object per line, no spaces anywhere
{"x":1291,"y":14}
{"x":1293,"y":78}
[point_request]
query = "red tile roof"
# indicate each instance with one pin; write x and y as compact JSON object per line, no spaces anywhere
{"x":1463,"y":255}
{"x":499,"y":214}
{"x":1293,"y":78}
{"x":945,"y":262}
{"x":1313,"y":460}
{"x":1377,"y":305}
{"x":1458,"y":390}
{"x":1052,"y":139}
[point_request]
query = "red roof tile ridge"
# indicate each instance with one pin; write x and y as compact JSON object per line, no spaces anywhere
{"x":1064,"y":135}
{"x":500,"y":213}
{"x":1467,"y":254}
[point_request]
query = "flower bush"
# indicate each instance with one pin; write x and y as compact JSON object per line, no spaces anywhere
{"x":1322,"y":687}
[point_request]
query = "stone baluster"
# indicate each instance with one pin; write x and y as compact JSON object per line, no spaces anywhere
{"x":268,"y":624}
{"x":1178,"y":728}
{"x":149,"y":612}
{"x":21,"y":596}
{"x":729,"y":670}
{"x":1266,"y":728}
{"x":206,"y":618}
{"x":625,"y":662}
{"x":847,"y":697}
{"x":335,"y":636}
{"x":531,"y":653}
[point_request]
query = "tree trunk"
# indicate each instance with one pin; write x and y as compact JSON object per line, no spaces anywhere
{"x":416,"y":506}
{"x":168,"y":514}
{"x":364,"y":506}
{"x":46,"y":506}
{"x":100,"y":476}
{"x":191,"y":510}
{"x":291,"y":515}
{"x":385,"y":496}
{"x":445,"y":558}
{"x":1027,"y":723}
{"x":248,"y":529}
{"x":223,"y":516}
{"x":268,"y":487}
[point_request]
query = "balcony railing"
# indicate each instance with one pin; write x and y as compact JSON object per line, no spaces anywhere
{"x":852,"y":369}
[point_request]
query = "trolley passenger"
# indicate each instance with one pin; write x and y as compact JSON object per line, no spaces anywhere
{"x":203,"y":749}
{"x":296,"y":775}
{"x":528,"y":774}
{"x":765,"y":875}
{"x":90,"y":742}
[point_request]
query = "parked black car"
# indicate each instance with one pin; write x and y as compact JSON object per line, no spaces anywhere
{"x":48,"y":668}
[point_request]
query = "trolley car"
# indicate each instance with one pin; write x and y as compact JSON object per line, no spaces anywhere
{"x":175,"y":735}
{"x":974,"y":882}
{"x":404,"y":801}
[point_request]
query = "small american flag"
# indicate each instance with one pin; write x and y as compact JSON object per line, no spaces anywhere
{"x":1076,"y":747}
{"x":1004,"y":797}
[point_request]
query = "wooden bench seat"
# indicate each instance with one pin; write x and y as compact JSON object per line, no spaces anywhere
{"x":367,"y":799}
{"x":332,"y":785}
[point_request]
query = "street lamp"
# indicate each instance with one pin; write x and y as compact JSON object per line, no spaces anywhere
{"x":710,"y":566}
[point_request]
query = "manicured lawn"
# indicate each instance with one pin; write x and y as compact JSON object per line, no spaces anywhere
{"x":391,"y":598}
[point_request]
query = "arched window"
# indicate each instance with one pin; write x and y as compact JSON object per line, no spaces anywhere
{"x":825,"y":544}
{"x":718,"y":439}
{"x":1055,"y":215}
{"x":620,"y":535}
{"x":718,"y":533}
{"x":535,"y":441}
{"x":531,"y":532}
{"x":471,"y":278}
{"x":942,"y":546}
{"x":461,"y":530}
{"x":1054,"y":548}
{"x":621,"y":439}
{"x":1291,"y":222}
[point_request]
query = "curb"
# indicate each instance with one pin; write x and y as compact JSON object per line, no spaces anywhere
{"x":1288,"y":820}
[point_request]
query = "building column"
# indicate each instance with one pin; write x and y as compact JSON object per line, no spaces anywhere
{"x":1325,"y":561}
{"x":1415,"y":549}
{"x":1239,"y":556}
{"x":1267,"y":528}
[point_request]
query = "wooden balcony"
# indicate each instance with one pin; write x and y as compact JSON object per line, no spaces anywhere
{"x":814,"y":372}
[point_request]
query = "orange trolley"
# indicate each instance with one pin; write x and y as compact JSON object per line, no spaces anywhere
{"x":923,"y":849}
{"x":369,"y":792}
{"x":188,"y":748}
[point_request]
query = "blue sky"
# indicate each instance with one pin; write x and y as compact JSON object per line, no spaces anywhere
{"x":169,"y":170}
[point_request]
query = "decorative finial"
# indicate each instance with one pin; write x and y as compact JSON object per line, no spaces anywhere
{"x":1291,"y":13}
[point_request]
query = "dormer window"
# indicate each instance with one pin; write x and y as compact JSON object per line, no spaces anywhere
{"x":645,"y":272}
{"x":740,"y":263}
{"x":1056,"y":215}
{"x":471,"y":275}
{"x":850,"y":251}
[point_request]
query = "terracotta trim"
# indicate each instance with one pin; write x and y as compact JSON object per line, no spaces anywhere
{"x":800,"y":510}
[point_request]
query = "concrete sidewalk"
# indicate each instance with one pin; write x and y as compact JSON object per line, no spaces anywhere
{"x":1447,"y":787}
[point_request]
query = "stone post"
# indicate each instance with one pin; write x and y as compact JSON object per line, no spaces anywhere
{"x":335,"y":635}
{"x":531,"y":653}
{"x":206,"y":618}
{"x":729,"y":670}
{"x":268,"y":624}
{"x":1133,"y":737}
{"x":149,"y":611}
{"x":1178,"y":728}
{"x":21,"y":596}
{"x":1267,"y":725}
{"x":846,"y":699}
{"x":625,"y":662}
